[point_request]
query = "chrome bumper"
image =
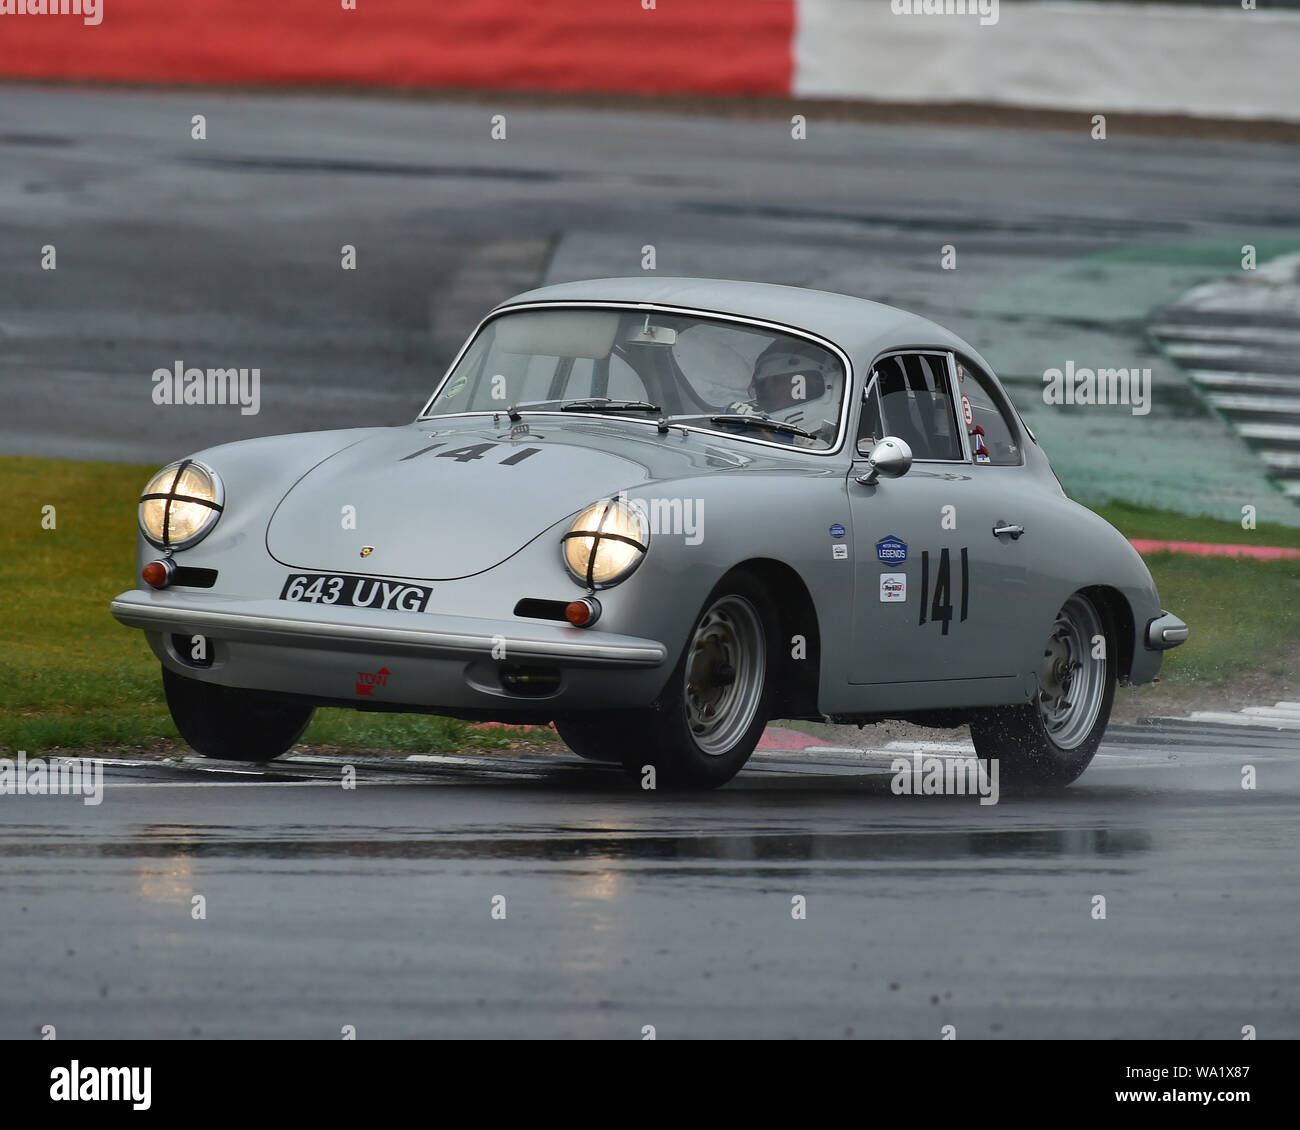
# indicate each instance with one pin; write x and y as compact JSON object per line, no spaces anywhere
{"x":432,"y":636}
{"x":1166,"y":631}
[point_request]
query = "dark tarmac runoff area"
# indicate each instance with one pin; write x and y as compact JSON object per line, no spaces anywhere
{"x":542,"y":896}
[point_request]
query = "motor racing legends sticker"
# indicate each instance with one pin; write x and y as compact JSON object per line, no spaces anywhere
{"x":839,"y":551}
{"x":891,"y":550}
{"x":893,"y":587}
{"x":837,"y":531}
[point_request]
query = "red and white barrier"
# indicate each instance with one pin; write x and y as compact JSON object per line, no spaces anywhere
{"x":1143,"y":58}
{"x":1219,"y":62}
{"x":678,"y":46}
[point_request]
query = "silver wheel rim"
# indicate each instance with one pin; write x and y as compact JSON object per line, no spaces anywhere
{"x":1072,"y":683}
{"x":726,"y":661}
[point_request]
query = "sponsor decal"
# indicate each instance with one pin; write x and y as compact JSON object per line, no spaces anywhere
{"x":837,"y":531}
{"x":457,"y":386}
{"x":355,"y":592}
{"x":367,"y":550}
{"x":891,"y":550}
{"x":367,"y":681}
{"x":967,"y":413}
{"x":839,"y":552}
{"x":893,"y":587}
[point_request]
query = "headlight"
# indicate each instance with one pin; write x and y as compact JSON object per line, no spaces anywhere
{"x":605,"y":543}
{"x":181,"y":504}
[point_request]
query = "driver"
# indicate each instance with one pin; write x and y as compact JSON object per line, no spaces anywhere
{"x":796,"y":385}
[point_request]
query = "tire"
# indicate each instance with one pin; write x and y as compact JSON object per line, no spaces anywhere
{"x":597,"y":737}
{"x":716,"y":702}
{"x":1052,"y":740}
{"x":232,"y":724}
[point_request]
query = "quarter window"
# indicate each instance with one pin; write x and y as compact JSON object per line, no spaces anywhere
{"x":994,"y":435}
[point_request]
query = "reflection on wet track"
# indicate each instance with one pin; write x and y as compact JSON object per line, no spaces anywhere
{"x":378,"y":906}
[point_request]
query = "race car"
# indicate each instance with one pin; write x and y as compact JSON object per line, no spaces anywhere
{"x":656,"y":513}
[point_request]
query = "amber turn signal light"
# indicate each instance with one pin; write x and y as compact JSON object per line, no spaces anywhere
{"x":158,"y":574}
{"x":582,"y":613}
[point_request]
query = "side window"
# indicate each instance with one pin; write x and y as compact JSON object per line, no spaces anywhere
{"x":994,"y":434}
{"x":908,"y":397}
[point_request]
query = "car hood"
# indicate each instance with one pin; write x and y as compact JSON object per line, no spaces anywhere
{"x":442,"y":503}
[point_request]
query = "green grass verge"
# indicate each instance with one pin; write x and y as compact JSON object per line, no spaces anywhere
{"x":72,"y":677}
{"x":1166,"y":525}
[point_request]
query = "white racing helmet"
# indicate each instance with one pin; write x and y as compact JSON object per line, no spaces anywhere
{"x":797,"y":384}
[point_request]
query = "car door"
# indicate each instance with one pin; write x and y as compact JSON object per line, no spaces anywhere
{"x":934,"y":585}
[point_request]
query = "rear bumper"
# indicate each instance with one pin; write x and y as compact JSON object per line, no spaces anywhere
{"x":1166,"y":631}
{"x":426,"y":660}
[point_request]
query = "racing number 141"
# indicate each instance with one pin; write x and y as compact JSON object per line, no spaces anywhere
{"x":941,"y":609}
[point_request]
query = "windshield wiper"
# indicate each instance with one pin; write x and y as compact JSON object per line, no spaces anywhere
{"x":605,"y":404}
{"x":761,"y":422}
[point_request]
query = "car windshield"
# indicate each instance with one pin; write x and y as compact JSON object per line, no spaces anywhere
{"x":694,"y":370}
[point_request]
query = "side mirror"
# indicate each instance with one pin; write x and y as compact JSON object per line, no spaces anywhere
{"x":891,"y":457}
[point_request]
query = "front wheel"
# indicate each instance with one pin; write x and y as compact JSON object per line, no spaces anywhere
{"x":1052,"y":740}
{"x":233,"y":724}
{"x":596,"y":737}
{"x":712,"y":711}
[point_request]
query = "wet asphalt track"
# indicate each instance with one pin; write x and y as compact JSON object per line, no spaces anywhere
{"x":372,"y":907}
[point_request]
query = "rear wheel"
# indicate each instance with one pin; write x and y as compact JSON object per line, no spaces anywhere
{"x":233,"y":724}
{"x":714,"y":707}
{"x":1051,"y":740}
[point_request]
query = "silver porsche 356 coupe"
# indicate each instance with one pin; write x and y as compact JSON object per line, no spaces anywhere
{"x":657,"y":512}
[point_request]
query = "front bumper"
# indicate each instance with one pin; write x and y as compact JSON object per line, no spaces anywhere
{"x":1166,"y":631}
{"x":428,"y":660}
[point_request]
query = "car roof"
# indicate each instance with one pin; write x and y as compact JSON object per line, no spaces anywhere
{"x":862,"y":328}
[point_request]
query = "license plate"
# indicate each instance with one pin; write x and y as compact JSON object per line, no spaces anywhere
{"x":355,"y":592}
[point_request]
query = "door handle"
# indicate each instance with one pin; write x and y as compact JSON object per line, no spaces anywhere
{"x":1014,"y":531}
